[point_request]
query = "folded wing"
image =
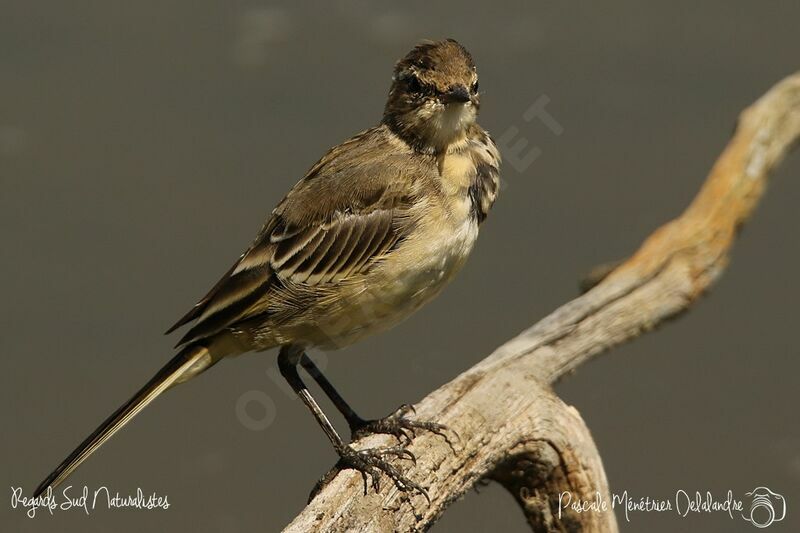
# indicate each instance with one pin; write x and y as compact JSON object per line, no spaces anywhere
{"x":346,"y":214}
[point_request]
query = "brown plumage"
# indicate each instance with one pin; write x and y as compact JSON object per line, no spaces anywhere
{"x":373,"y":231}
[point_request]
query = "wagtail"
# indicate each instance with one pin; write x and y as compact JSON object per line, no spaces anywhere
{"x":372,"y":232}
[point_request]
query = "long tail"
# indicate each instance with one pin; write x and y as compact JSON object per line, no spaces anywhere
{"x":188,"y":363}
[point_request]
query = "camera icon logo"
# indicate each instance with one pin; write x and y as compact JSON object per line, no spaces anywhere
{"x":767,"y":507}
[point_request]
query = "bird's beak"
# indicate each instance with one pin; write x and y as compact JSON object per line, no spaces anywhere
{"x":457,"y":94}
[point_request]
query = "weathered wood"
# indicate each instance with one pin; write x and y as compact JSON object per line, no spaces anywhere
{"x":511,"y":426}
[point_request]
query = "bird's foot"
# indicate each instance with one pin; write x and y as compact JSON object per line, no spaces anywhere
{"x":397,"y":424}
{"x":371,"y":463}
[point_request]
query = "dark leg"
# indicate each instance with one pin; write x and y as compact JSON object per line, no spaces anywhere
{"x":370,"y":461}
{"x":395,"y":424}
{"x":353,"y":420}
{"x":287,"y":363}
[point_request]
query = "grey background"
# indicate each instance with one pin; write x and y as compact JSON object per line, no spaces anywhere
{"x":143,"y":143}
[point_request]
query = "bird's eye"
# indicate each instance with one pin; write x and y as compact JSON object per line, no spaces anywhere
{"x":413,"y":85}
{"x":474,"y":87}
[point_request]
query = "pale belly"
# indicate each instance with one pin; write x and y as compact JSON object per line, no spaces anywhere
{"x":395,"y":290}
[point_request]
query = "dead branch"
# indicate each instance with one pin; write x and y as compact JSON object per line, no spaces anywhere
{"x":511,"y":426}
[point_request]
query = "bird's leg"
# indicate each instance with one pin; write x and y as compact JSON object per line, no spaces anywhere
{"x":353,"y":420}
{"x":396,"y":424}
{"x":370,"y":462}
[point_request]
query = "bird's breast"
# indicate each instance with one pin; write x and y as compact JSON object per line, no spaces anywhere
{"x":449,"y":207}
{"x":409,"y":277}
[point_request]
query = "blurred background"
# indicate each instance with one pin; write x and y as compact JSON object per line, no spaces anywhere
{"x":142,"y":144}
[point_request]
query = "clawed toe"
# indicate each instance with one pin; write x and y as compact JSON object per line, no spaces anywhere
{"x":371,"y":463}
{"x":398,"y":425}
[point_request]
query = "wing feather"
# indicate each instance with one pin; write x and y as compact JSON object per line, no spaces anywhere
{"x":309,"y":266}
{"x":376,"y":229}
{"x":288,"y":248}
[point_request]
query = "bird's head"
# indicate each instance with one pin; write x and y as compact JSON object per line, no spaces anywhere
{"x":434,"y":95}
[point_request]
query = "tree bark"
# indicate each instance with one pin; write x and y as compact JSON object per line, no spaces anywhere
{"x":511,"y":427}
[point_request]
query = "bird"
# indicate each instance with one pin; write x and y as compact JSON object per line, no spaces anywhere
{"x":373,"y":231}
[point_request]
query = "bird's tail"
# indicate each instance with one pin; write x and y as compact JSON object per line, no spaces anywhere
{"x":189,"y":362}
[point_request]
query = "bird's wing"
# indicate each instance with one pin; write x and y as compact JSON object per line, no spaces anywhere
{"x":348,"y":211}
